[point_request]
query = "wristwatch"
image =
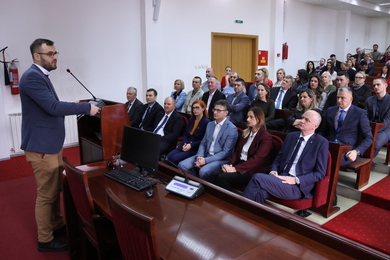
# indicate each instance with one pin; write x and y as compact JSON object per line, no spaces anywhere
{"x":297,"y":180}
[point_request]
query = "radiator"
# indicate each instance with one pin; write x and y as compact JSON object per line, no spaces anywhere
{"x":71,"y":135}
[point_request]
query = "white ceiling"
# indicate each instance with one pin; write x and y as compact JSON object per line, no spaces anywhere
{"x":370,"y":8}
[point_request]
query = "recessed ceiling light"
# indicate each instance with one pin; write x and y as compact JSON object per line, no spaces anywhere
{"x":384,"y":4}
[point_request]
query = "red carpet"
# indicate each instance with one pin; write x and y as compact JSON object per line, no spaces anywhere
{"x":18,"y":167}
{"x":378,"y":194}
{"x":364,"y":223}
{"x":18,"y":239}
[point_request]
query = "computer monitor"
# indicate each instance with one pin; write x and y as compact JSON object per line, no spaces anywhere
{"x":141,"y":148}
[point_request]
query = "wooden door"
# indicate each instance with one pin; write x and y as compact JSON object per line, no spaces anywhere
{"x":237,"y":51}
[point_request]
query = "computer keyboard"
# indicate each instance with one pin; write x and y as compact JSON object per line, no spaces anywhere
{"x":130,"y":179}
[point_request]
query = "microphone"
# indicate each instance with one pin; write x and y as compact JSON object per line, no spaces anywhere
{"x":97,"y":102}
{"x":68,"y":70}
{"x":165,"y":158}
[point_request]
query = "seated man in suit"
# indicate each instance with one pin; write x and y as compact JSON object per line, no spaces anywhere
{"x":259,"y":77}
{"x":366,"y":68}
{"x":285,"y":98}
{"x":342,"y":81}
{"x":239,"y":102}
{"x":345,"y":123}
{"x":169,"y":125}
{"x":301,"y":162}
{"x":378,"y":110}
{"x":149,"y":111}
{"x":217,"y":144}
{"x":212,"y":96}
{"x":133,"y":105}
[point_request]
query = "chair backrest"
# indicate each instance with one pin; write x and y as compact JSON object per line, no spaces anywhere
{"x":277,"y":144}
{"x":185,"y":120}
{"x":78,"y":184}
{"x":321,"y":187}
{"x":282,"y":113}
{"x":369,"y":153}
{"x":135,"y":231}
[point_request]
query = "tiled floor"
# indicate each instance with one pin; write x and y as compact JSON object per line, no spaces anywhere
{"x":349,"y":196}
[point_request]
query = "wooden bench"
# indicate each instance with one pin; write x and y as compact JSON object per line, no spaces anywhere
{"x":362,"y":166}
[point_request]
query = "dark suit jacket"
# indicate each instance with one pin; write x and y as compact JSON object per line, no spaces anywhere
{"x":217,"y":96}
{"x":355,"y":124}
{"x":362,"y":93}
{"x":148,"y":122}
{"x":311,"y":166}
{"x":43,"y":127}
{"x":172,"y":130}
{"x":258,"y":153}
{"x":384,"y":114}
{"x":331,"y":101}
{"x":134,"y":111}
{"x":369,"y":71}
{"x":290,"y":99}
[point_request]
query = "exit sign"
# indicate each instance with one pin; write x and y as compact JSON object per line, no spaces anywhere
{"x":239,"y":21}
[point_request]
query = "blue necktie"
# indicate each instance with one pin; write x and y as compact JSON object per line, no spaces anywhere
{"x":161,"y":125}
{"x":292,"y":158}
{"x":279,"y":101}
{"x":340,"y":121}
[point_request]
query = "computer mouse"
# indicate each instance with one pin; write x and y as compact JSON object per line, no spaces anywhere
{"x":149,"y":193}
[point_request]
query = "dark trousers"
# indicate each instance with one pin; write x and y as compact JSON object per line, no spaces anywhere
{"x":261,"y":186}
{"x":229,"y":180}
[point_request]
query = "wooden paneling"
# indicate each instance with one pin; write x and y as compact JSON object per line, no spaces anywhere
{"x":237,"y":51}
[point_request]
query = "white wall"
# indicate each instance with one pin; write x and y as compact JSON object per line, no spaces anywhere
{"x":110,"y":45}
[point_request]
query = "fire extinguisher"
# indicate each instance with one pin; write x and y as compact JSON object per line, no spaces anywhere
{"x":14,"y":78}
{"x":285,"y":51}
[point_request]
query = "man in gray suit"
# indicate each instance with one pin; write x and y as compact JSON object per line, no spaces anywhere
{"x":217,"y":144}
{"x":378,"y":110}
{"x":239,"y":102}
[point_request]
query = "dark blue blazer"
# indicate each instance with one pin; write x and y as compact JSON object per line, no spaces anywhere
{"x":384,"y":114}
{"x":355,"y":124}
{"x":217,"y":96}
{"x":148,"y":122}
{"x":239,"y":108}
{"x":172,"y":128}
{"x":311,"y":166}
{"x":198,"y":134}
{"x":43,"y":126}
{"x":290,"y":99}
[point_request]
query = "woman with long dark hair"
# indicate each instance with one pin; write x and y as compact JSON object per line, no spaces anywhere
{"x":264,"y":102}
{"x":310,"y":68}
{"x":251,"y":155}
{"x":385,"y":73}
{"x":315,"y":84}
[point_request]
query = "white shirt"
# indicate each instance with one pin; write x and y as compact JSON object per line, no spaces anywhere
{"x":161,"y":130}
{"x":245,"y":148}
{"x":303,"y":144}
{"x":45,"y":71}
{"x":210,"y":98}
{"x":215,"y":134}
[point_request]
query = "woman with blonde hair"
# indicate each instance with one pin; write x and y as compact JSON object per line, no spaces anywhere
{"x":250,"y":156}
{"x":179,"y":95}
{"x":307,"y":101}
{"x":328,"y":83}
{"x":266,"y":77}
{"x":226,"y":79}
{"x":280,"y":74}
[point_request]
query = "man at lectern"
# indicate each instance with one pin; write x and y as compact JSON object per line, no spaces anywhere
{"x":149,"y":111}
{"x":43,"y":134}
{"x":133,"y":105}
{"x":169,"y":125}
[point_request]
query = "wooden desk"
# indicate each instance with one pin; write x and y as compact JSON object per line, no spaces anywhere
{"x":223,"y":225}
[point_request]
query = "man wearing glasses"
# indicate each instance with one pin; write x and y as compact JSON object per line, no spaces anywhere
{"x":217,"y":144}
{"x":43,"y":134}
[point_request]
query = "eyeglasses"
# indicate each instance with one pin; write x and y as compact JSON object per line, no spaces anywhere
{"x":218,"y":110}
{"x":52,"y":54}
{"x":359,"y":78}
{"x":196,"y":108}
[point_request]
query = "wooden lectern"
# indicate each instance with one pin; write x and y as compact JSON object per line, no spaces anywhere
{"x":100,"y":136}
